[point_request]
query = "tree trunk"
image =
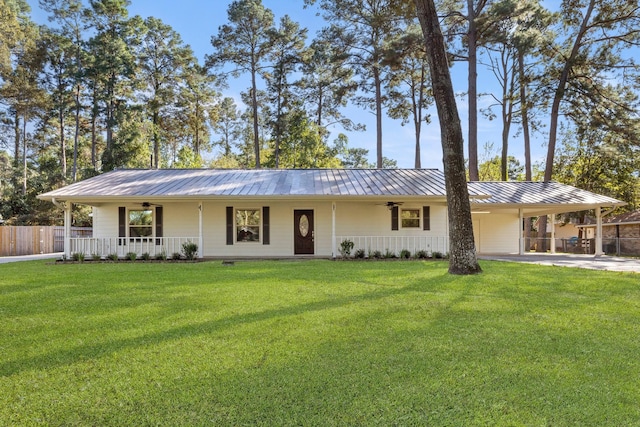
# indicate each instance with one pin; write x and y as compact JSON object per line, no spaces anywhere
{"x":524,"y":111}
{"x":378,"y":84}
{"x":16,"y":149}
{"x":254,"y":107}
{"x":560,"y":91}
{"x":473,"y":93}
{"x":76,"y":135}
{"x":462,"y":253}
{"x":24,"y":155}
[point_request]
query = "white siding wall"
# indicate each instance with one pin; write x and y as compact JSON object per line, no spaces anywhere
{"x":352,"y":219}
{"x":496,"y":233}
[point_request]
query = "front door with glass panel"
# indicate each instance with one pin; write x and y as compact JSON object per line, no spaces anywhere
{"x":303,"y":232}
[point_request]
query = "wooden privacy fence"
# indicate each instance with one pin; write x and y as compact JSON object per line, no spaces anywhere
{"x":30,"y":240}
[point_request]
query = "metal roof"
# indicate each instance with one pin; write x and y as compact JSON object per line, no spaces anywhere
{"x":537,"y":193}
{"x":257,"y":183}
{"x":204,"y":183}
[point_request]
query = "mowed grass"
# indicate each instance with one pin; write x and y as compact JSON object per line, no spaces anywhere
{"x":317,"y":343}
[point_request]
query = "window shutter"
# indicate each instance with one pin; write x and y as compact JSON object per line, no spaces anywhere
{"x":265,"y":226}
{"x":122,"y":224}
{"x":158,"y":225}
{"x":229,"y":225}
{"x":426,"y":218}
{"x":394,"y":217}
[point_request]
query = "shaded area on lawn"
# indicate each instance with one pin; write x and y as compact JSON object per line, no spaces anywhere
{"x":317,"y":343}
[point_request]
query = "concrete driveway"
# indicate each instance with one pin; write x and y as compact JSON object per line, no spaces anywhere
{"x":601,"y":262}
{"x":6,"y":259}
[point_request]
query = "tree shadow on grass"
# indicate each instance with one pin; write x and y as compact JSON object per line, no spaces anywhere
{"x":78,"y":353}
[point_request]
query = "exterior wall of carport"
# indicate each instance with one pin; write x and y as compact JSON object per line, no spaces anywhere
{"x":496,"y":233}
{"x":352,"y":218}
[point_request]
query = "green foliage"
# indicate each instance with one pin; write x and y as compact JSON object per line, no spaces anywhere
{"x":359,"y":253}
{"x":345,"y":248}
{"x":145,"y":256}
{"x":176,"y":256}
{"x":112,"y":257}
{"x":78,"y":256}
{"x":405,"y":254}
{"x":205,"y":344}
{"x":190,"y":250}
{"x":422,"y":254}
{"x":162,"y":255}
{"x":131,"y":256}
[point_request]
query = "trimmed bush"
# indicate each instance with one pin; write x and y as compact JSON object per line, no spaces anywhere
{"x":190,"y":250}
{"x":405,"y":254}
{"x":345,"y":248}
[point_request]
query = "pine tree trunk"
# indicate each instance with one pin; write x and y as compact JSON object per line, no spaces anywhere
{"x":462,"y":250}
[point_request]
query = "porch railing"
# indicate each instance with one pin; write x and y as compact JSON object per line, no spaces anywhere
{"x":395,"y":244}
{"x":121,"y":246}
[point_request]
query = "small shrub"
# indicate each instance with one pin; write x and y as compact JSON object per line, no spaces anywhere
{"x":145,"y":256}
{"x":162,"y":255}
{"x":375,"y":255}
{"x":113,"y":257}
{"x":422,"y":254}
{"x":345,"y":247}
{"x":389,"y":254}
{"x":96,"y":257}
{"x":438,"y":255}
{"x":131,"y":256}
{"x":405,"y":254}
{"x":176,"y":256}
{"x":359,"y":253}
{"x":78,"y":256}
{"x":190,"y":250}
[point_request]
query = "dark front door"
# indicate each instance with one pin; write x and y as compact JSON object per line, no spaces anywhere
{"x":303,"y":232}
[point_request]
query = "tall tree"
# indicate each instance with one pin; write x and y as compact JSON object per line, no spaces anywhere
{"x":592,"y":52}
{"x":463,"y":17}
{"x":70,"y":17}
{"x":409,"y":86}
{"x":326,"y":84}
{"x":361,"y":28}
{"x":463,"y":258}
{"x":246,"y":43}
{"x":228,"y":126}
{"x":197,"y":105}
{"x":286,"y":56}
{"x":162,"y":57}
{"x":113,"y":64}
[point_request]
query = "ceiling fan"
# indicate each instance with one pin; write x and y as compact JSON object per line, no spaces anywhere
{"x":147,"y":205}
{"x":391,"y":205}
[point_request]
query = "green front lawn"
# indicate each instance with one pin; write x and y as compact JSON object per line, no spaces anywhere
{"x":317,"y":343}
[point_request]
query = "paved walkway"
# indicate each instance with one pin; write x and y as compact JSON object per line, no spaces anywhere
{"x":6,"y":259}
{"x":601,"y":262}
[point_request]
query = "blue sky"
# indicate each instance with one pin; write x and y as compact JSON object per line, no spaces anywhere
{"x":196,"y":21}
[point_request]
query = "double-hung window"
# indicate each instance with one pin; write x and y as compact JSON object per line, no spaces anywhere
{"x":140,"y":223}
{"x":410,"y":218}
{"x":247,"y":225}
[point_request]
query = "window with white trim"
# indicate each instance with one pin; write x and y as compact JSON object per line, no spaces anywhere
{"x":410,"y":218}
{"x":141,"y":223}
{"x":248,"y":225}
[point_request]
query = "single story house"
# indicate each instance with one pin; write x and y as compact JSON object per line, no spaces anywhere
{"x":301,"y":212}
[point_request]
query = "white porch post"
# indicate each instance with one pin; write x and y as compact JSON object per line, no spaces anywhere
{"x":333,"y":229}
{"x":521,"y":222}
{"x":67,"y":230}
{"x":598,"y":248}
{"x":553,"y":233}
{"x":200,"y":233}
